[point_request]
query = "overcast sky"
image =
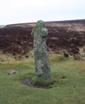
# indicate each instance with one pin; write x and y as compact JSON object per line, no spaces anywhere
{"x":19,"y":11}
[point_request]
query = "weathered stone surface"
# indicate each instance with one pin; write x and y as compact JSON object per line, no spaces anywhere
{"x":27,"y":82}
{"x":42,"y":66}
{"x":12,"y":72}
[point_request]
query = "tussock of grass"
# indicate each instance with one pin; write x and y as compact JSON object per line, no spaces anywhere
{"x":56,"y":58}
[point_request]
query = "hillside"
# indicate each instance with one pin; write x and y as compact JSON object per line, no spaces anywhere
{"x":16,"y":38}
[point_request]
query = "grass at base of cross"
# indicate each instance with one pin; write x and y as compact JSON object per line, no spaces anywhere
{"x":38,"y":82}
{"x":69,"y":86}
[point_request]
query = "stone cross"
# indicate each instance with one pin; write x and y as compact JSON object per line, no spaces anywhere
{"x":42,"y":66}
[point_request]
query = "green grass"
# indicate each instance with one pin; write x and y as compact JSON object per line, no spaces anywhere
{"x":68,"y":89}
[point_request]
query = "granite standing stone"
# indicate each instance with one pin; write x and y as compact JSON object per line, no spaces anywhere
{"x":42,"y":65}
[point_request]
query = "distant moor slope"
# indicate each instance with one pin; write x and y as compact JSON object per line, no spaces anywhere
{"x":16,"y":38}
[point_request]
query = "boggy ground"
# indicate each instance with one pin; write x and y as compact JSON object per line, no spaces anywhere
{"x":68,"y":89}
